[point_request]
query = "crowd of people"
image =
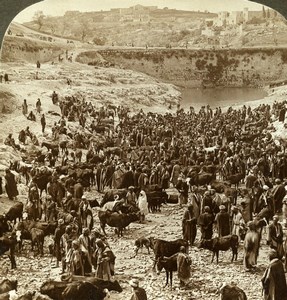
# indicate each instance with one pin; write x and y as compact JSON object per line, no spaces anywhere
{"x":140,"y":150}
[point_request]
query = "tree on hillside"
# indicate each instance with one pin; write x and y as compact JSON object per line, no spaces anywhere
{"x":39,"y":19}
{"x":82,"y":29}
{"x":263,"y":12}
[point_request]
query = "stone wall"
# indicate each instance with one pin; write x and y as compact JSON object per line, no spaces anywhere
{"x":193,"y":68}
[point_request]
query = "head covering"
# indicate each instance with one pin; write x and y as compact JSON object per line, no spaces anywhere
{"x":222,"y":207}
{"x":61,"y":222}
{"x":206,"y":208}
{"x":134,"y":282}
{"x":62,"y":177}
{"x":131,"y":187}
{"x":182,"y":248}
{"x":272,"y":254}
{"x":99,"y":243}
{"x":265,"y":187}
{"x":84,"y":197}
{"x":75,"y":243}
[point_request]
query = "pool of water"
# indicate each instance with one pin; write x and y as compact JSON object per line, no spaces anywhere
{"x":222,"y":97}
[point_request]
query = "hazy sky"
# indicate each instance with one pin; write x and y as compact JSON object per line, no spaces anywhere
{"x":59,"y":7}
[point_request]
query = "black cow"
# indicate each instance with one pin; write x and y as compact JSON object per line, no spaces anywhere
{"x":163,"y":248}
{"x":7,"y":285}
{"x":42,"y":182}
{"x":114,"y":219}
{"x":140,"y":242}
{"x":15,"y":212}
{"x":37,"y":237}
{"x":97,"y":282}
{"x":221,"y":244}
{"x":155,"y":200}
{"x":8,"y":244}
{"x":170,"y":266}
{"x":84,"y":291}
{"x":4,"y":225}
{"x":53,"y":147}
{"x":235,"y":179}
{"x":61,"y":290}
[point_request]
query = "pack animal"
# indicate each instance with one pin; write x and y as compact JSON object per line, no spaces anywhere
{"x":163,"y":248}
{"x":221,"y":244}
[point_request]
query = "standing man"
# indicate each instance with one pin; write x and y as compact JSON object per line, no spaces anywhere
{"x":38,"y":105}
{"x":11,"y":186}
{"x":182,"y":188}
{"x":273,"y":280}
{"x":183,"y":266}
{"x":25,"y":107}
{"x":189,"y":225}
{"x":278,"y":192}
{"x":43,"y":123}
{"x":60,"y":230}
{"x":86,"y":247}
{"x":205,"y":221}
{"x":222,"y":221}
{"x":275,"y":236}
{"x":237,"y":221}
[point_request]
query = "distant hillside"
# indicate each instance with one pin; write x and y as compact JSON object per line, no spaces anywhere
{"x":158,"y":28}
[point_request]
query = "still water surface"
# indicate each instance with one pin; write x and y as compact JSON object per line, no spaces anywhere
{"x":222,"y":97}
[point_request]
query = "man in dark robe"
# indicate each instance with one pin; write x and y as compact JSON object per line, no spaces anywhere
{"x":78,"y":189}
{"x":11,"y":186}
{"x":189,"y":225}
{"x":275,"y":236}
{"x":282,"y":114}
{"x":273,"y":280}
{"x":205,"y":221}
{"x":183,"y":266}
{"x":222,"y":221}
{"x":278,"y":192}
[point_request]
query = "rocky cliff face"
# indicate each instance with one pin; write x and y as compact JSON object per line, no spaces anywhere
{"x":193,"y":68}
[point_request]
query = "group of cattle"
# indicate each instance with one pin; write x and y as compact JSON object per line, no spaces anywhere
{"x":70,"y":288}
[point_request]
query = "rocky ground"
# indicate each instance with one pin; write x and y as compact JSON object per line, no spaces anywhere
{"x":206,"y":277}
{"x":119,"y":87}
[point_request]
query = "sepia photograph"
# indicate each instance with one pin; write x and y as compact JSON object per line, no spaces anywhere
{"x":143,"y":151}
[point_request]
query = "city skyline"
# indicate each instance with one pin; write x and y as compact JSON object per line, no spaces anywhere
{"x":53,"y":8}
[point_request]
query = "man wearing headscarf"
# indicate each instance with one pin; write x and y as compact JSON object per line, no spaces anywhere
{"x":182,"y":188}
{"x":275,"y":236}
{"x":142,"y":205}
{"x":86,"y":247}
{"x":222,"y":220}
{"x":77,"y":267}
{"x":189,"y":225}
{"x":105,"y":261}
{"x":205,"y":221}
{"x":11,"y":186}
{"x":273,"y":280}
{"x":60,"y":230}
{"x":183,"y":266}
{"x":278,"y":192}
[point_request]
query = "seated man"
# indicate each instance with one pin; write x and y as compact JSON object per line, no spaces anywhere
{"x":31,"y":116}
